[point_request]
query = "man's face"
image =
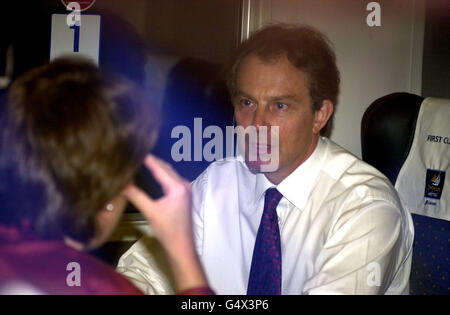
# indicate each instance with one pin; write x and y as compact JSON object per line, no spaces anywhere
{"x":276,"y":94}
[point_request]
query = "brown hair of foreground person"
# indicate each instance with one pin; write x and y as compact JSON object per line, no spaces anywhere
{"x":75,"y":136}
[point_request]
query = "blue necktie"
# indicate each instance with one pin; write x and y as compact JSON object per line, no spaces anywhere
{"x":265,"y":272}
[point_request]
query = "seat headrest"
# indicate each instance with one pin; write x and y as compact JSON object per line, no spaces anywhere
{"x":387,"y":131}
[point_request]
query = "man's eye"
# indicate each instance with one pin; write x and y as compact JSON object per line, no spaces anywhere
{"x":280,"y":106}
{"x":246,"y":102}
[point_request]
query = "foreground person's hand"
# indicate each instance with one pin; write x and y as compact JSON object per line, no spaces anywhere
{"x":170,"y":218}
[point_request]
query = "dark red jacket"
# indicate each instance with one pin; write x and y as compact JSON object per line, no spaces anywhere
{"x":32,"y":265}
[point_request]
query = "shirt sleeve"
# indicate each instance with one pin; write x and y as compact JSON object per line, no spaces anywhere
{"x":146,"y":266}
{"x":199,"y":187}
{"x":360,"y":254}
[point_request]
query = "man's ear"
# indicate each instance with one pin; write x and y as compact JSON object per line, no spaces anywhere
{"x":323,"y":115}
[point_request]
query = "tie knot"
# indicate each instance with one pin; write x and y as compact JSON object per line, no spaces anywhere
{"x":273,"y":197}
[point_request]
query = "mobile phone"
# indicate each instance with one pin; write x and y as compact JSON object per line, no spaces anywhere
{"x":145,"y":180}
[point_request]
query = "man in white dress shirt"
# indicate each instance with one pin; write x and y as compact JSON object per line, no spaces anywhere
{"x":342,"y":227}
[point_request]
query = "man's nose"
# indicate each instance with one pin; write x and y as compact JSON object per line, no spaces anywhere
{"x":260,"y":117}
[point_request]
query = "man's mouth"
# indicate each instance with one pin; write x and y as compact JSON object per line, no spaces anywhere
{"x":259,"y":147}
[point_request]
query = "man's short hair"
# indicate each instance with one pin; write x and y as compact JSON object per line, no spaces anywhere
{"x":306,"y":48}
{"x":75,"y":137}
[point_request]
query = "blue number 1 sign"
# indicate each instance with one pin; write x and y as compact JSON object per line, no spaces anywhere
{"x":76,"y":38}
{"x":81,"y":38}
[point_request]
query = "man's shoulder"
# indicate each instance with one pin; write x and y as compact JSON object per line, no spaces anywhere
{"x":341,"y":163}
{"x":221,"y":176}
{"x":225,"y":168}
{"x":355,"y":175}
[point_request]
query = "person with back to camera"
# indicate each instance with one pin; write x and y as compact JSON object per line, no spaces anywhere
{"x":72,"y":139}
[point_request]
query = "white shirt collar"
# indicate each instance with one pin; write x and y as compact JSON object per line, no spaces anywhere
{"x":297,"y":187}
{"x":262,"y":184}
